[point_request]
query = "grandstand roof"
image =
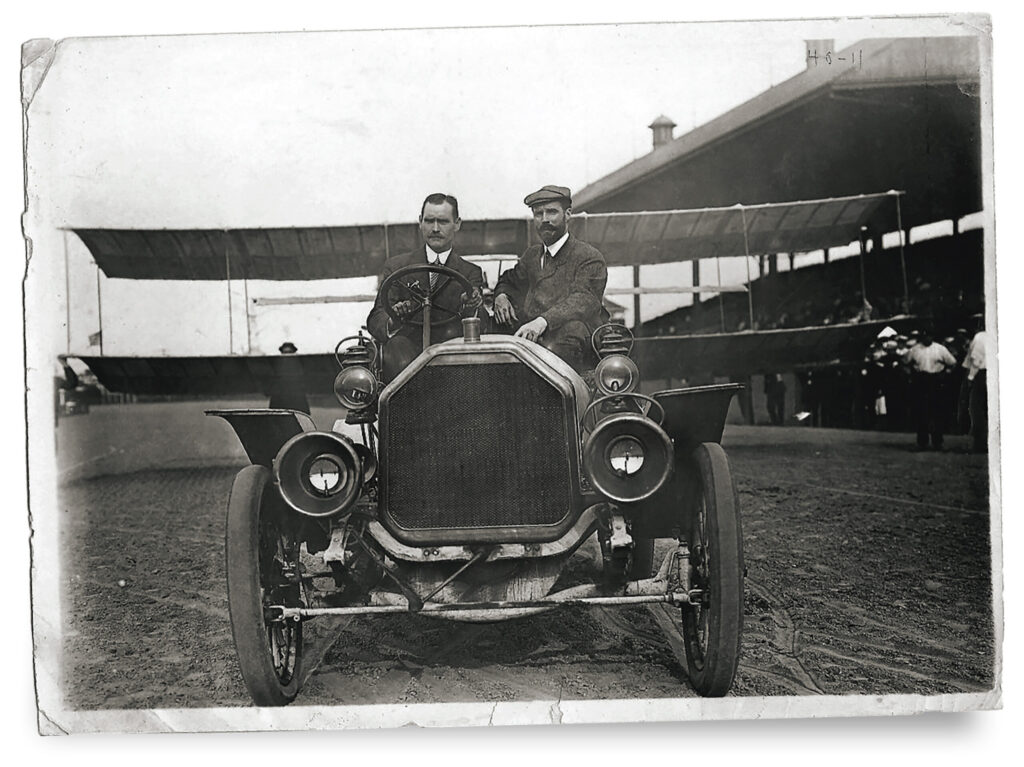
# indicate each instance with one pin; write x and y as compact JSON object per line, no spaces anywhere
{"x":901,"y":113}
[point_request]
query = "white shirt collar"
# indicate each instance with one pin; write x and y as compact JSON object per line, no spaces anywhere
{"x":556,"y":246}
{"x":442,"y":257}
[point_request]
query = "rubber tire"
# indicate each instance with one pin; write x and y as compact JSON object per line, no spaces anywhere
{"x":245,"y":601}
{"x":711,"y":671}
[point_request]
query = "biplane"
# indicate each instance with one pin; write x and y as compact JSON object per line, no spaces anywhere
{"x":626,"y":239}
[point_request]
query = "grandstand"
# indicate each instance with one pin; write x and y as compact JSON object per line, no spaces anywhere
{"x":945,"y":279}
{"x":901,"y":114}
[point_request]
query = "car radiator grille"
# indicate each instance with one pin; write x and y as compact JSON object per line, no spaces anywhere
{"x":476,"y":446}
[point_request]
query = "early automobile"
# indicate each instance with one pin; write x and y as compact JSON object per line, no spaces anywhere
{"x":460,"y":490}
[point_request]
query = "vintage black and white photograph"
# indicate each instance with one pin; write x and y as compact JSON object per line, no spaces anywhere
{"x":512,"y":375}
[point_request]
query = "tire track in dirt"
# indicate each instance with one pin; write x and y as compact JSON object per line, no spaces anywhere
{"x":149,"y":533}
{"x":857,"y":652}
{"x":621,"y":623}
{"x":153,"y":595}
{"x":940,"y":655}
{"x":915,"y":639}
{"x":318,"y":639}
{"x":784,"y":680}
{"x":861,"y":660}
{"x":928,"y":505}
{"x":785,"y":643}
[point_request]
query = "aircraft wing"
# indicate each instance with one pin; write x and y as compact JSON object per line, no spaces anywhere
{"x":655,"y":237}
{"x":251,"y":375}
{"x":763,"y":351}
{"x":286,"y":253}
{"x":626,"y":239}
{"x":723,"y":354}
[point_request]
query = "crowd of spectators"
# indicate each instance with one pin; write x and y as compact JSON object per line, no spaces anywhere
{"x":944,"y":279}
{"x":888,"y":372}
{"x":912,"y":382}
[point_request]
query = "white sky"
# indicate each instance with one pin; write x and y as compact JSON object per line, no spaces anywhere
{"x":344,"y":128}
{"x":339,"y":128}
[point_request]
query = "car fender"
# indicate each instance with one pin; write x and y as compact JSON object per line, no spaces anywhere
{"x":692,"y":416}
{"x":263,"y":431}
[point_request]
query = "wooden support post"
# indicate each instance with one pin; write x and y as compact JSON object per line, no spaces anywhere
{"x":248,"y":323}
{"x":721,"y":301}
{"x":748,"y":400}
{"x":99,"y":305}
{"x":231,"y":319}
{"x":750,"y":284}
{"x":67,"y":296}
{"x":903,"y":258}
{"x":863,"y":250}
{"x":636,"y":300}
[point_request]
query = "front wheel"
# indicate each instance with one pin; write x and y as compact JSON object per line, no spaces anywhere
{"x":262,"y":569}
{"x":712,"y":627}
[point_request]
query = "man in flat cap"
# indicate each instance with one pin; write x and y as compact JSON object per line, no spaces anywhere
{"x":401,"y":342}
{"x":554,"y":294}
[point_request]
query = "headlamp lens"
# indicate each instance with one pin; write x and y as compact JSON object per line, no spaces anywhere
{"x":626,"y":456}
{"x":325,"y":475}
{"x":355,"y":387}
{"x":616,"y":374}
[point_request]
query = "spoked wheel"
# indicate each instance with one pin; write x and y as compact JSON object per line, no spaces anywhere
{"x":712,"y":628}
{"x":262,"y":569}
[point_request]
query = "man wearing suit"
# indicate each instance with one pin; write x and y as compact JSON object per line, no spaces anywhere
{"x":554,"y":294}
{"x":402,"y":342}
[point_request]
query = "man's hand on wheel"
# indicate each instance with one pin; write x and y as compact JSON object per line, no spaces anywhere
{"x":471,"y":301}
{"x":405,"y":309}
{"x":504,"y":312}
{"x":533,"y":329}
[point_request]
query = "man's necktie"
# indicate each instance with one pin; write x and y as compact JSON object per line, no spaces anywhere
{"x":433,"y":275}
{"x":544,"y":255}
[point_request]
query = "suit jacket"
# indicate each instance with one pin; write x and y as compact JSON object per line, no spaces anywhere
{"x":448,"y":298}
{"x":570,"y":286}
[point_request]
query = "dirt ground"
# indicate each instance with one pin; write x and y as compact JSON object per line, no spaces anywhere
{"x":868,"y":572}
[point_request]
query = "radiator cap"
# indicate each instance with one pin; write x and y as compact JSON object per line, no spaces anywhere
{"x":470,"y":329}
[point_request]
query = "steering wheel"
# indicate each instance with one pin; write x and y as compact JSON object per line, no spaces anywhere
{"x":423,"y":296}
